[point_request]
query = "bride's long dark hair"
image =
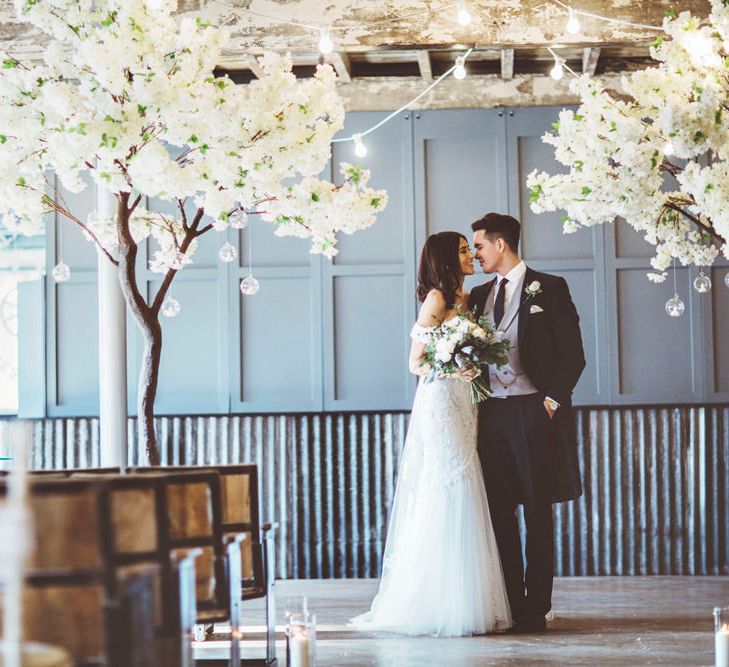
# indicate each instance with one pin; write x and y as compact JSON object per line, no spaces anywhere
{"x":439,"y":266}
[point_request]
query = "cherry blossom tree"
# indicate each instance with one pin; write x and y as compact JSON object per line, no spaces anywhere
{"x":126,"y":97}
{"x":657,"y":156}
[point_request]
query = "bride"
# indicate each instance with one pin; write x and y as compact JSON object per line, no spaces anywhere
{"x":441,"y":573}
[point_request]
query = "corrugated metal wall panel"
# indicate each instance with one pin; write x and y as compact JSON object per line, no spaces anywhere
{"x":655,"y":502}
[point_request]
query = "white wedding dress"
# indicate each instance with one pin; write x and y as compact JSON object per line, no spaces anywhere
{"x":441,"y":572}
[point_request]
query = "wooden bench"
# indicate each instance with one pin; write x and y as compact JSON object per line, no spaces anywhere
{"x":157,"y":517}
{"x":73,"y":597}
{"x":236,"y":511}
{"x":241,"y":514}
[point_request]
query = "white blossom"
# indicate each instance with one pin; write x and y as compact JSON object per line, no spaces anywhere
{"x":125,"y":94}
{"x":657,"y":160}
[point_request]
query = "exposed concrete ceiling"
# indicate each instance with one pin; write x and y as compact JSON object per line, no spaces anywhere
{"x":385,"y":51}
{"x":379,"y":24}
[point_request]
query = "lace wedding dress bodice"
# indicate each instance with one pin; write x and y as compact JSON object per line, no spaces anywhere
{"x":445,"y":423}
{"x":441,"y":571}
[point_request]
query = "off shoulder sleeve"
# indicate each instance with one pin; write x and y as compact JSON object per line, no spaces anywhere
{"x":420,"y":333}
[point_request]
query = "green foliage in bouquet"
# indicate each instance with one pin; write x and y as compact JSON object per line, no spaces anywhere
{"x":463,"y":347}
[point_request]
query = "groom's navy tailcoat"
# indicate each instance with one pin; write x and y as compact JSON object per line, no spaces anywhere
{"x":551,"y":354}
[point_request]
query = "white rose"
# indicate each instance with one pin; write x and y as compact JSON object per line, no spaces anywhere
{"x":479,"y":333}
{"x":445,"y":346}
{"x":443,"y":356}
{"x":534,"y":286}
{"x":464,"y":326}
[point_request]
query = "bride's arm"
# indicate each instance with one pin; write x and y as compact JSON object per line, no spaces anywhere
{"x":431,"y":315}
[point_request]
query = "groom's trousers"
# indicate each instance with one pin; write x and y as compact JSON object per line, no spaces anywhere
{"x":513,"y":447}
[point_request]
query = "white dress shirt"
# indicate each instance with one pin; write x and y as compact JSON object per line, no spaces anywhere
{"x":514,"y":276}
{"x":522,"y":385}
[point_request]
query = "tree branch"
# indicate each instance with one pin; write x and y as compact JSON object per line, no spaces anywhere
{"x":128,"y":262}
{"x":94,"y":238}
{"x":171,"y":229}
{"x":15,"y":61}
{"x":670,"y":168}
{"x":58,"y":208}
{"x":697,"y":221}
{"x":183,"y":215}
{"x":190,"y":236}
{"x":135,"y":203}
{"x":124,"y":172}
{"x":206,"y":228}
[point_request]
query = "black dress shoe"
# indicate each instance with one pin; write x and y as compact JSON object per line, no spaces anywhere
{"x":530,"y":625}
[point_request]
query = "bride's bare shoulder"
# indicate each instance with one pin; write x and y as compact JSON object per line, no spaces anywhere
{"x":433,"y":309}
{"x":435,"y":296}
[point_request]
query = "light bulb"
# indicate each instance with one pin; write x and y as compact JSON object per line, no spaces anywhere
{"x":325,"y":42}
{"x":227,"y":252}
{"x":464,"y":18}
{"x":573,"y":23}
{"x":238,"y":219}
{"x":171,"y":307}
{"x":460,"y":70}
{"x":674,"y":306}
{"x":360,"y":150}
{"x":557,"y":72}
{"x":702,"y":283}
{"x":249,"y":286}
{"x":61,"y":273}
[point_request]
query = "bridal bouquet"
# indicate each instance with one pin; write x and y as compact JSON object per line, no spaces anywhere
{"x":466,"y":344}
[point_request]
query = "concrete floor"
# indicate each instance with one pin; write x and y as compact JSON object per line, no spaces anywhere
{"x":599,"y":621}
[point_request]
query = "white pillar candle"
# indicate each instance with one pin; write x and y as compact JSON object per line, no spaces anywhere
{"x":299,"y":649}
{"x":721,"y":639}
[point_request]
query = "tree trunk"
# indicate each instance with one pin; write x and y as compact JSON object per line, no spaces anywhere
{"x":148,"y":322}
{"x":147,"y":390}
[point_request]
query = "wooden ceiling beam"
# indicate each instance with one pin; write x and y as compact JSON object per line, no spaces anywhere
{"x":590,"y":56}
{"x":426,"y":71}
{"x":252,"y":64}
{"x":340,"y":63}
{"x":507,"y":64}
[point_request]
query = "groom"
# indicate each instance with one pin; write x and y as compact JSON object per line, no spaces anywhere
{"x":526,"y":442}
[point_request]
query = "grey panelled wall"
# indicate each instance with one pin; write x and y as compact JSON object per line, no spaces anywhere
{"x":325,"y":344}
{"x":326,"y":336}
{"x":367,"y":298}
{"x":578,"y":258}
{"x":655,"y":502}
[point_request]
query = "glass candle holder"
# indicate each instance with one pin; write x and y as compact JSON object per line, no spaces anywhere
{"x":301,"y":640}
{"x":295,"y":604}
{"x":721,"y":636}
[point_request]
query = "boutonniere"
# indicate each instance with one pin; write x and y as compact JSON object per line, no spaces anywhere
{"x":534,"y":288}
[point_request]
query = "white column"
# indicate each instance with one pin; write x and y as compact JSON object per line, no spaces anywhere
{"x":112,"y":354}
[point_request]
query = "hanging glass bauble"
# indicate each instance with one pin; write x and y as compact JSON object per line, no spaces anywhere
{"x":171,"y":307}
{"x":61,"y":273}
{"x":702,"y":283}
{"x":227,"y":252}
{"x":249,"y":285}
{"x":674,"y":306}
{"x":238,"y":219}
